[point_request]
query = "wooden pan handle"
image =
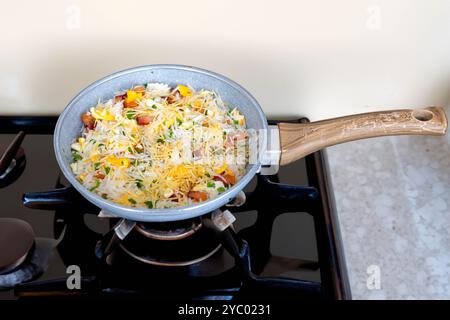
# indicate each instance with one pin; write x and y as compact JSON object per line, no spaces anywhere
{"x":300,"y":139}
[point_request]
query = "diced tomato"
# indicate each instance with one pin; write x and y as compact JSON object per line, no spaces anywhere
{"x":88,"y":121}
{"x":197,"y":195}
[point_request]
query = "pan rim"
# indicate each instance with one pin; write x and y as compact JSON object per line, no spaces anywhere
{"x":167,"y":214}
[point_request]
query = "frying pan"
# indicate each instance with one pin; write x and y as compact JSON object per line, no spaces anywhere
{"x":291,"y":142}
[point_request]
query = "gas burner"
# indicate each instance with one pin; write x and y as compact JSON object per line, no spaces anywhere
{"x":12,"y":161}
{"x":180,"y":243}
{"x":179,"y":256}
{"x":16,"y":243}
{"x":169,"y":231}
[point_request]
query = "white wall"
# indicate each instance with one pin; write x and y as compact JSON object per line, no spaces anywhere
{"x":313,"y":58}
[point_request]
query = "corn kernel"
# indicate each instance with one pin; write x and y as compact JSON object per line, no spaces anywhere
{"x":221,"y":169}
{"x":184,"y":91}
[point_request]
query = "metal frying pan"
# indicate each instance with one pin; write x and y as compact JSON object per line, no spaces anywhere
{"x":282,"y":145}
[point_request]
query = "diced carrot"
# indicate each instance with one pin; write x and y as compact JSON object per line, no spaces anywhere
{"x":197,"y":195}
{"x":130,"y":104}
{"x":230,"y":178}
{"x":139,"y":89}
{"x":99,"y":175}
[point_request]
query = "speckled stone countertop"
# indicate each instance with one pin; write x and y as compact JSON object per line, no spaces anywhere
{"x":393,"y":203}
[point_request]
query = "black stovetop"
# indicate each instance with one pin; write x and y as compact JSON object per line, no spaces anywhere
{"x":287,"y":236}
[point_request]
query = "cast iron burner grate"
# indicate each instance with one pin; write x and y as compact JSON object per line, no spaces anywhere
{"x":110,"y":270}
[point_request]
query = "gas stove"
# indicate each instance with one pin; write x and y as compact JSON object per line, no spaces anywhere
{"x":281,"y":239}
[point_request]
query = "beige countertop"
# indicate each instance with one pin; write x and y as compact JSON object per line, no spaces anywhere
{"x":393,"y":203}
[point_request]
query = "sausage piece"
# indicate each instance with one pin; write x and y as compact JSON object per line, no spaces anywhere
{"x":88,"y":121}
{"x":144,"y":119}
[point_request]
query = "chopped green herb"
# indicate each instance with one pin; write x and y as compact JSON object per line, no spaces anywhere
{"x":139,"y":184}
{"x":132,"y":201}
{"x":130,"y":114}
{"x":179,"y":121}
{"x":154,"y":106}
{"x":171,"y":133}
{"x":160,"y":140}
{"x":107,"y":170}
{"x":97,"y":165}
{"x":97,"y":184}
{"x":130,"y":150}
{"x":76,"y":156}
{"x":208,"y":175}
{"x":149,"y":204}
{"x":211,"y":185}
{"x":235,"y":122}
{"x":221,"y":189}
{"x":224,"y":133}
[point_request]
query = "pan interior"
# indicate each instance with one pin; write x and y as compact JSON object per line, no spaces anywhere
{"x":69,"y":126}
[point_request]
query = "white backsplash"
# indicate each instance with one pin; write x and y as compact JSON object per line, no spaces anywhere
{"x":318,"y":59}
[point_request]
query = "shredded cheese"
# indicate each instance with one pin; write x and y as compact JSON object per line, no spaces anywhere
{"x":160,"y":147}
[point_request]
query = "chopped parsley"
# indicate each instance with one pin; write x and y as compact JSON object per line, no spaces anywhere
{"x":76,"y":156}
{"x":132,"y":201}
{"x":97,"y":184}
{"x":107,"y":170}
{"x":149,"y":204}
{"x":221,"y":189}
{"x":130,"y":114}
{"x":211,"y":185}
